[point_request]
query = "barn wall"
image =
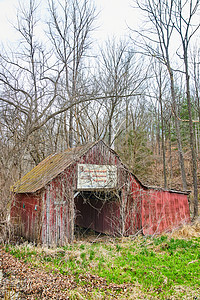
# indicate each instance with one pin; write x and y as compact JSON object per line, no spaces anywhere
{"x":163,"y":211}
{"x":26,"y":216}
{"x":58,"y":214}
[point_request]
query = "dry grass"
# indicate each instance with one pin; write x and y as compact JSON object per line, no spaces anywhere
{"x":186,"y":231}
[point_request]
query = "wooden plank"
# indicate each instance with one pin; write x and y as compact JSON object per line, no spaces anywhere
{"x":48,"y":217}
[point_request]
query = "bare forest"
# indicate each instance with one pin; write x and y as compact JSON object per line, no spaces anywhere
{"x":139,"y":93}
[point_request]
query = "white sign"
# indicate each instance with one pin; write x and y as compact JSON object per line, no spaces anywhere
{"x":96,"y":176}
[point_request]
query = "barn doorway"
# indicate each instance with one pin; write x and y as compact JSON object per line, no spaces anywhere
{"x":98,"y":210}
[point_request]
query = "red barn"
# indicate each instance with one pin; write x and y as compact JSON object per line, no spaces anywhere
{"x":90,"y":186}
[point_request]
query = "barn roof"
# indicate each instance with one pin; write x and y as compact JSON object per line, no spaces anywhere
{"x":48,"y":169}
{"x":55,"y":164}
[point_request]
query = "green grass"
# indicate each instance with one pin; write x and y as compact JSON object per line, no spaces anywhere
{"x":161,"y":267}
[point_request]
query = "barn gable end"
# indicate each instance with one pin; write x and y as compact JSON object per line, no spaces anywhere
{"x":48,"y":203}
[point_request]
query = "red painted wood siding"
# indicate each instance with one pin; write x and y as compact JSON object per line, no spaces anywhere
{"x":162,"y":211}
{"x":26,"y":215}
{"x":56,"y":213}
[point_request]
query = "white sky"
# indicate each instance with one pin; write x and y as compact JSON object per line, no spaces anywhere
{"x":7,"y":12}
{"x":113,"y":17}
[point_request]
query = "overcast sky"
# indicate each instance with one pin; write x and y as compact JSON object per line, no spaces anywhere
{"x":115,"y":15}
{"x":113,"y":18}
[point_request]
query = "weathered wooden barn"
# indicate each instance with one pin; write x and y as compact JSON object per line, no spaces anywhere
{"x":90,"y":186}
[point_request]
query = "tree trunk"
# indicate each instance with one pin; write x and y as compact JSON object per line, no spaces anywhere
{"x":177,"y":128}
{"x":192,"y":142}
{"x":170,"y":155}
{"x":70,"y":139}
{"x":158,"y":134}
{"x":163,"y":145}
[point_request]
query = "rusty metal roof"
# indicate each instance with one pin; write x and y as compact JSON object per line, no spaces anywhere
{"x":48,"y":169}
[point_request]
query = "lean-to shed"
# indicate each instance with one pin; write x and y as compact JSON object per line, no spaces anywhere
{"x":90,"y":186}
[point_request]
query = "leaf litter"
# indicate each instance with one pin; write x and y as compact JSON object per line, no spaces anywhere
{"x":23,"y":281}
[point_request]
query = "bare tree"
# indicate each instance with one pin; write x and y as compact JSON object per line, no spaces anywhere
{"x":31,"y":78}
{"x":120,"y":79}
{"x":185,"y":12}
{"x":70,"y":26}
{"x":27,"y":87}
{"x":160,"y":16}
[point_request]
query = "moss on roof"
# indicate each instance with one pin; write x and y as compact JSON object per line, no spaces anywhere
{"x":48,"y":169}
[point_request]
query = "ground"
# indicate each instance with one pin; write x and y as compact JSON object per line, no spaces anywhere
{"x":102,"y":267}
{"x":23,"y":281}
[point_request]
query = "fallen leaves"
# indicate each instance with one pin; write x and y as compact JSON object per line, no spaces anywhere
{"x":23,"y":281}
{"x":31,"y":283}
